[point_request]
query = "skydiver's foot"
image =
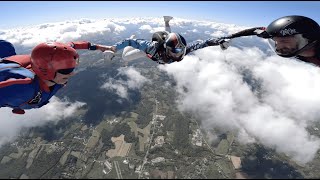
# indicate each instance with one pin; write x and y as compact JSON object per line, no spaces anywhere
{"x":18,"y":111}
{"x":167,"y":18}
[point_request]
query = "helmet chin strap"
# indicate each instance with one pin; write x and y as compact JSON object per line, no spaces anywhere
{"x":53,"y":81}
{"x":57,"y":83}
{"x":308,"y":46}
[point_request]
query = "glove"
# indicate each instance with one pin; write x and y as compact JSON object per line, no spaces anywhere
{"x":261,"y":33}
{"x":224,"y":44}
{"x":108,"y":55}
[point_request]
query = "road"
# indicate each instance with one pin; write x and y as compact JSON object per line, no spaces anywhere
{"x":145,"y":159}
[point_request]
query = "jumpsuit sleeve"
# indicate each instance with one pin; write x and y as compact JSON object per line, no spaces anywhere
{"x":83,"y":45}
{"x":149,"y":47}
{"x":202,"y":44}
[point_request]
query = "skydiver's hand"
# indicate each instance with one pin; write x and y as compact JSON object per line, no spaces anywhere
{"x":261,"y":32}
{"x":224,"y":44}
{"x":106,"y":48}
{"x":108,"y":55}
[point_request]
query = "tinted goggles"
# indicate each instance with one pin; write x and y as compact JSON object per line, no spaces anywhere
{"x":65,"y":71}
{"x":175,"y":51}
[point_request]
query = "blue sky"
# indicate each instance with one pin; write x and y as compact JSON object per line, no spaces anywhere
{"x":246,"y":13}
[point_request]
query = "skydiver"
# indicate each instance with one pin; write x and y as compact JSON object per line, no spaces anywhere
{"x":290,"y":36}
{"x":29,"y":81}
{"x":164,"y":48}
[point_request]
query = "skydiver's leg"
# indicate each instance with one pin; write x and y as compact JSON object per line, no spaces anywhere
{"x":166,"y":23}
{"x":129,"y":53}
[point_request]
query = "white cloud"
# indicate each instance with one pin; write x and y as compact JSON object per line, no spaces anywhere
{"x":68,"y":28}
{"x":134,"y":81}
{"x":194,"y":30}
{"x":275,"y":112}
{"x":56,"y":110}
{"x":117,"y":86}
{"x":218,"y":34}
{"x":146,"y":27}
{"x":62,"y":32}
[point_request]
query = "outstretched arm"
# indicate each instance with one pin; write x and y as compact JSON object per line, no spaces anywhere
{"x":86,"y":45}
{"x":259,"y":31}
{"x":209,"y":42}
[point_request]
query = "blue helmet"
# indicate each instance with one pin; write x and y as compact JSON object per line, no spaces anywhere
{"x":6,"y":49}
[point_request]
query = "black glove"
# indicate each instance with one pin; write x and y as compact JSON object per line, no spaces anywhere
{"x":224,"y":44}
{"x":261,"y":32}
{"x":213,"y":42}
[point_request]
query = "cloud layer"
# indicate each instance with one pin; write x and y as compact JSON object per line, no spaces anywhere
{"x":134,"y":80}
{"x":268,"y":98}
{"x":56,"y":110}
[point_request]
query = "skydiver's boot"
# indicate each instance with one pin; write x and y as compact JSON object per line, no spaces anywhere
{"x":166,"y":23}
{"x":167,"y":18}
{"x":18,"y":111}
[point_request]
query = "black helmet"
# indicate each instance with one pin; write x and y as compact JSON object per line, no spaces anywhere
{"x":305,"y":31}
{"x":175,"y":46}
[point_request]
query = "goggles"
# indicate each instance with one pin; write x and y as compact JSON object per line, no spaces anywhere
{"x":288,"y":46}
{"x":66,"y":71}
{"x":176,"y":52}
